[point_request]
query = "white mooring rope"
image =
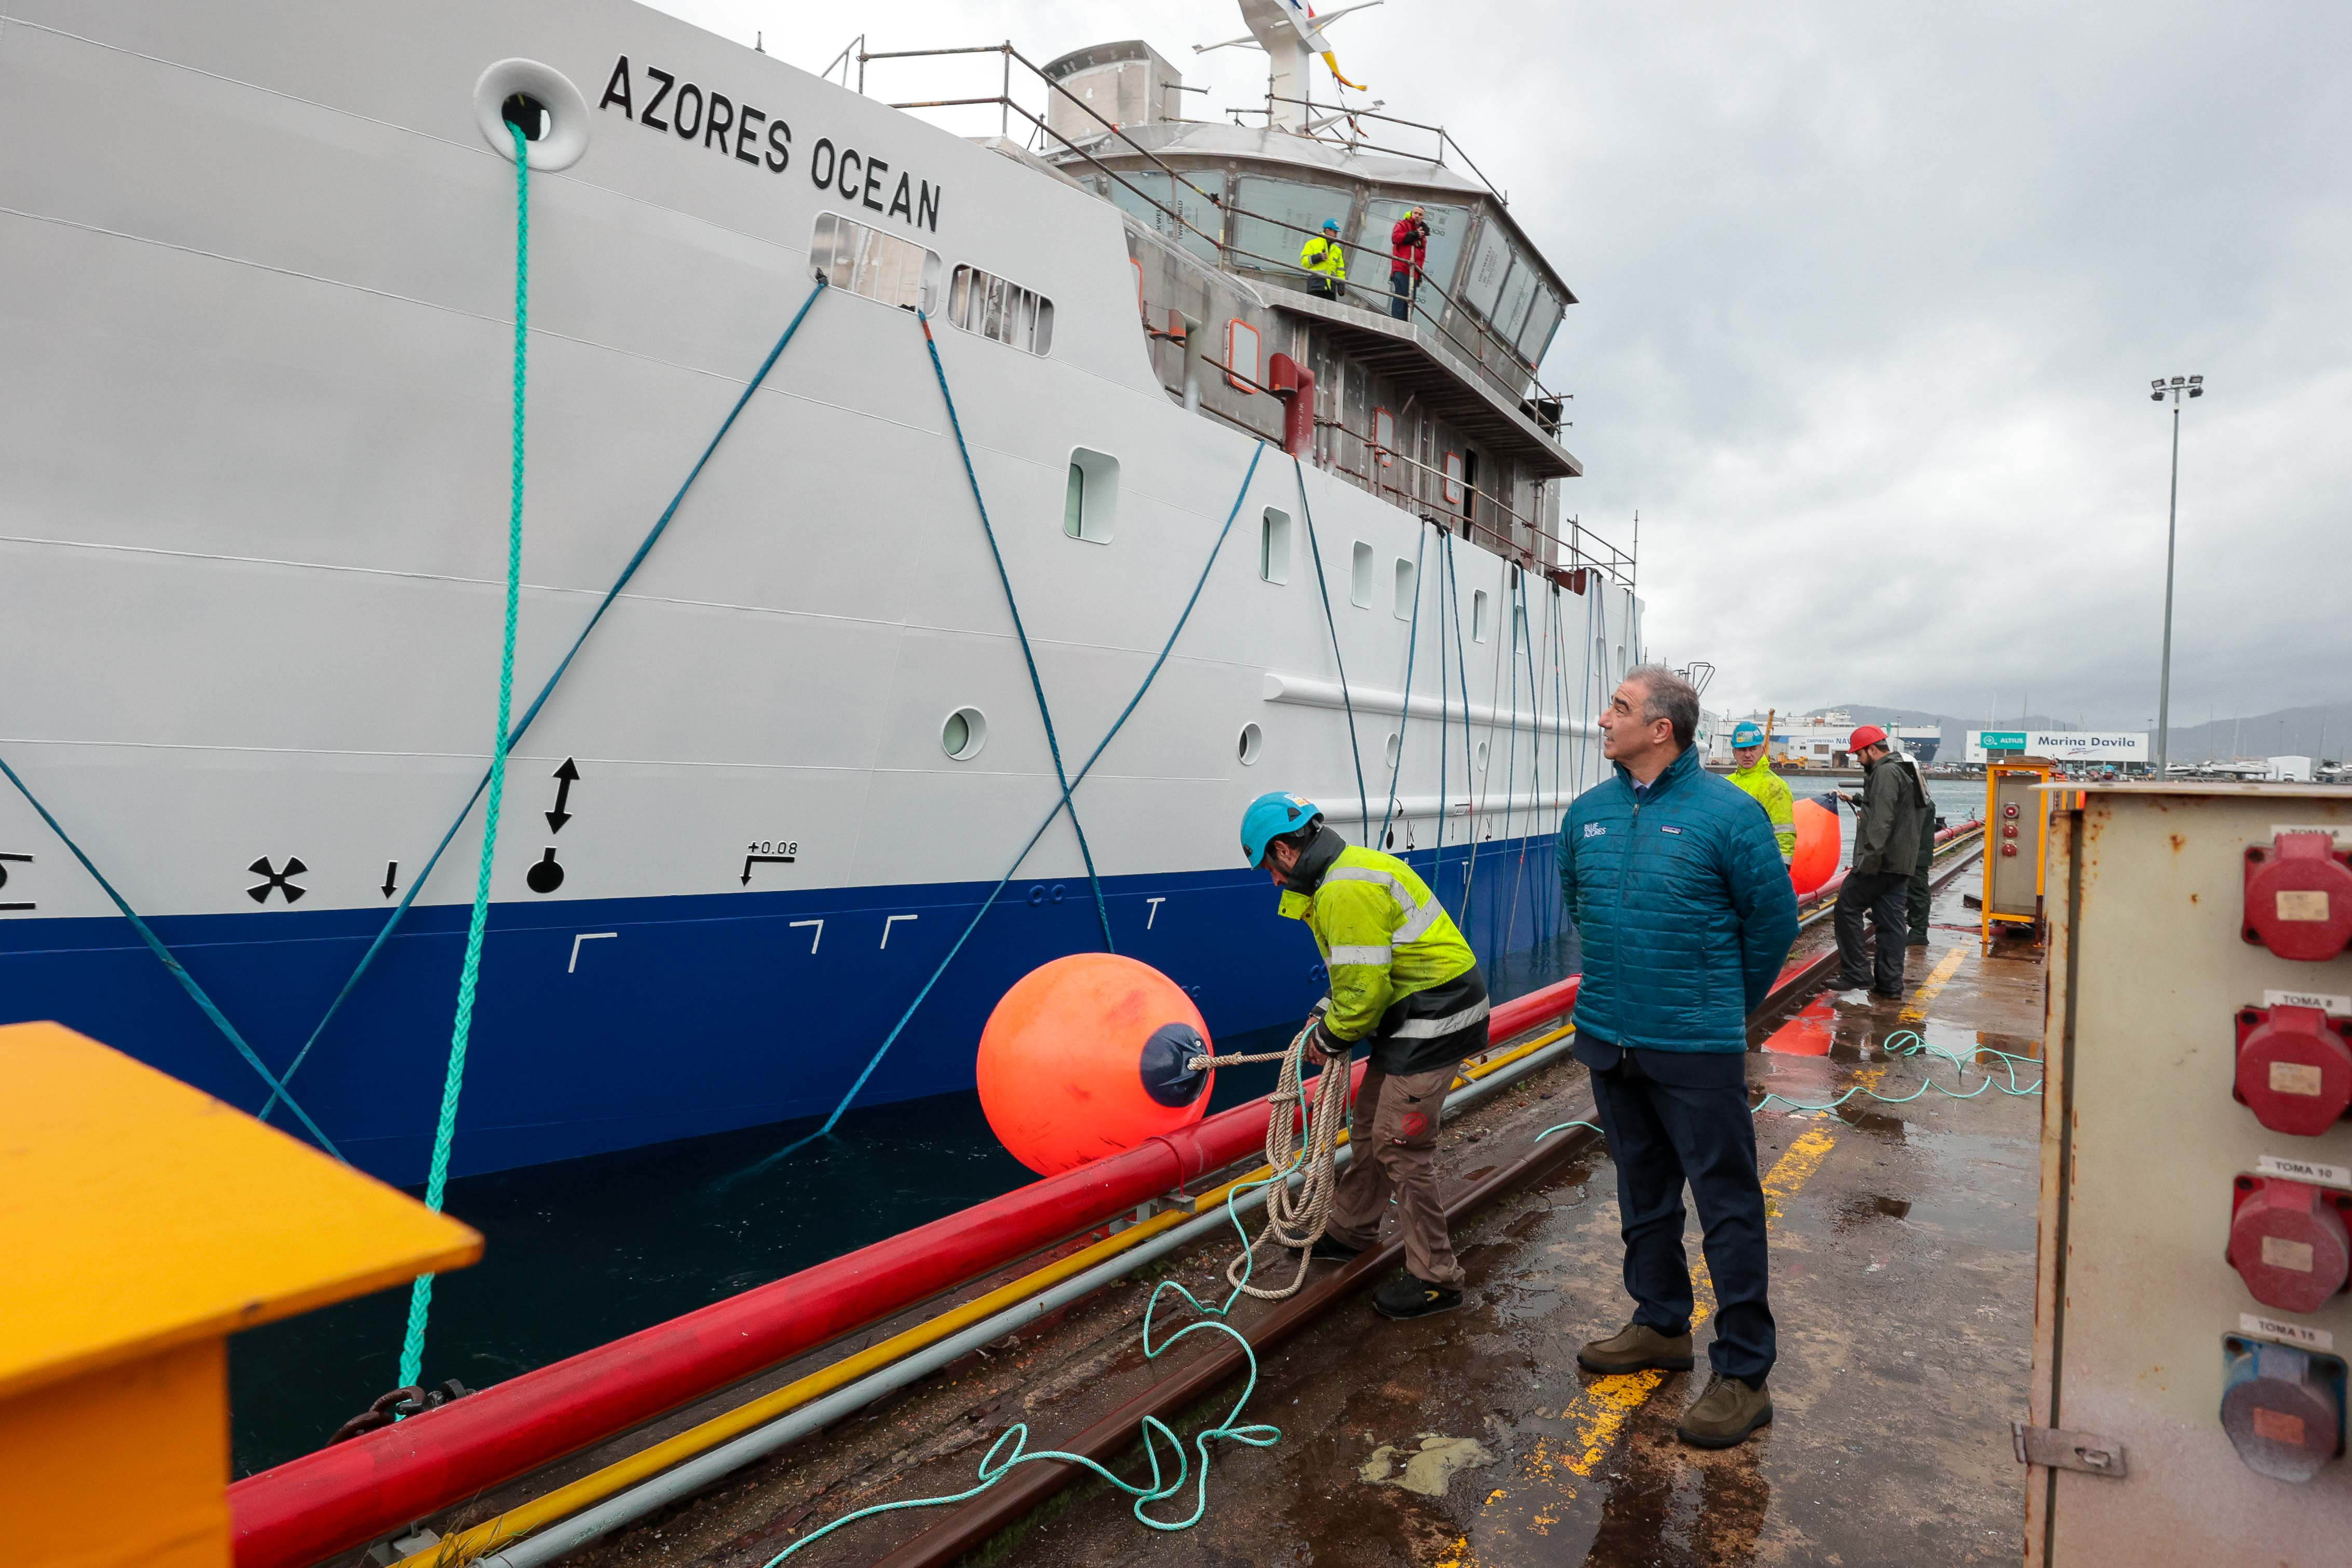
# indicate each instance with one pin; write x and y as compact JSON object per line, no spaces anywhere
{"x":1306,"y":1138}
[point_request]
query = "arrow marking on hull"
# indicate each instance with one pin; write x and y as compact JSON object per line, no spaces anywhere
{"x":820,"y":931}
{"x":391,"y":878}
{"x":564,"y":776}
{"x":750,"y":861}
{"x":888,"y":921}
{"x":573,"y":967}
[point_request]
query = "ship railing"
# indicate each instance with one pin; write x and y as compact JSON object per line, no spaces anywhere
{"x":1361,"y":143}
{"x":1522,"y":384}
{"x":1515,"y":539}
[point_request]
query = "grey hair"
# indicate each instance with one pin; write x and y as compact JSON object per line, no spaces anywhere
{"x":1666,"y":695}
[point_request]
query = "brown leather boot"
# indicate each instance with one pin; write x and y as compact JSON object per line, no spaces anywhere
{"x":1637,"y":1347}
{"x":1724,"y":1414}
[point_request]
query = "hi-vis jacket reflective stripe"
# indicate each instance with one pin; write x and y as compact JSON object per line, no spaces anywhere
{"x":1772,"y":793}
{"x":1402,"y":976}
{"x":1320,"y":255}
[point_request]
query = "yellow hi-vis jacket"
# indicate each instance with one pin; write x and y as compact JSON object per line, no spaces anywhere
{"x":1402,"y":976}
{"x":1772,"y":794}
{"x":1324,"y":255}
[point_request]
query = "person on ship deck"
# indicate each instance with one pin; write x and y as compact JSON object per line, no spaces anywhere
{"x":1754,"y":774}
{"x":1408,"y":252}
{"x":1325,"y":263}
{"x":1877,"y":885}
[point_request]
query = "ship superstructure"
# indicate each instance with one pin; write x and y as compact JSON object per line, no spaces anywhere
{"x":253,"y":423}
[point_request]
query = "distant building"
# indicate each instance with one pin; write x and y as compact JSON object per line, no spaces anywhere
{"x":1819,"y":740}
{"x":2288,"y":770}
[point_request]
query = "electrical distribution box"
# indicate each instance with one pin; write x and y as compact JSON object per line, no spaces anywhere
{"x":2016,"y":837}
{"x":2191,"y":1320}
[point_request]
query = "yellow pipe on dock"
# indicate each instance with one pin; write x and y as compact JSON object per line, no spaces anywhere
{"x":468,"y":1545}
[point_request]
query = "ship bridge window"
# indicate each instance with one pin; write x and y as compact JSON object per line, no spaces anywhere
{"x":983,"y":303}
{"x":1448,"y":225}
{"x":1511,"y":309}
{"x":1543,"y":318}
{"x":1274,"y":546}
{"x":1146,"y":196}
{"x":1274,"y":219}
{"x":875,"y":265}
{"x":1488,"y":263}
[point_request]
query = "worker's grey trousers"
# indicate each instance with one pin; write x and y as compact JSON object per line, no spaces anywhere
{"x":1394,"y":1134}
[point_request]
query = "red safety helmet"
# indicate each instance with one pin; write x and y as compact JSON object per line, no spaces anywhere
{"x":1868,"y":735}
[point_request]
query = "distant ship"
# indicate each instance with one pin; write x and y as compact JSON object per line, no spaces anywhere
{"x":1819,"y":740}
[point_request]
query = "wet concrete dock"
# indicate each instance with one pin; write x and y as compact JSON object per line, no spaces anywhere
{"x":1903,"y":1272}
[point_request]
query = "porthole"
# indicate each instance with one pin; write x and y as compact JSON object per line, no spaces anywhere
{"x":1253,"y":741}
{"x":965,"y":732}
{"x":1393,"y":749}
{"x":540,"y":100}
{"x":1482,"y":757}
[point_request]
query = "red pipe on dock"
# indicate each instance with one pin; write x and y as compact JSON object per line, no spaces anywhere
{"x":355,"y":1493}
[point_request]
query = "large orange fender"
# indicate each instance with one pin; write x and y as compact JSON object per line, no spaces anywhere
{"x":1816,"y":860}
{"x":1086,"y":1056}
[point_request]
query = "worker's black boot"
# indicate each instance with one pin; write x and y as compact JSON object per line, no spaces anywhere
{"x":1409,"y":1296}
{"x":1637,"y":1347}
{"x":1724,"y":1414}
{"x":1330,"y":1249}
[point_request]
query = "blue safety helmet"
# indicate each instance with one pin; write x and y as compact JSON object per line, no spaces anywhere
{"x":1748,"y":733}
{"x":1272,"y":815}
{"x":1331,"y":225}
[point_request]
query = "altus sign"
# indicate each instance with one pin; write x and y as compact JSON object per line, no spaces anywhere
{"x":2061,"y":745}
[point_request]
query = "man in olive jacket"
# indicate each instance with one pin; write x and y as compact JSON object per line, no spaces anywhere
{"x":1877,"y":885}
{"x":1675,"y":880}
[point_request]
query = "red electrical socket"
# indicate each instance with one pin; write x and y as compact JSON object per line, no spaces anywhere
{"x":2288,"y":1241}
{"x":2294,"y":1067}
{"x":2299,"y":896}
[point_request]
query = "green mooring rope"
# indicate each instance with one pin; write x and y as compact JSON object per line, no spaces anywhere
{"x":436,"y":1181}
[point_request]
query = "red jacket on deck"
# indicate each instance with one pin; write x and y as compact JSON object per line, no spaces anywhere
{"x":1409,"y":245}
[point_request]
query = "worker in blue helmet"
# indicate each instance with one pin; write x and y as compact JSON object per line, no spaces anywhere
{"x":1325,"y":263}
{"x":1404,"y":981}
{"x":1752,"y":771}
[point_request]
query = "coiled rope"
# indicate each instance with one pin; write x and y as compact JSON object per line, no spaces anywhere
{"x":1298,"y":1135}
{"x":453,"y":1081}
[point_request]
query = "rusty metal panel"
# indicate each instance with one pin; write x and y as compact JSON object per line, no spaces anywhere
{"x":2143,"y":1145}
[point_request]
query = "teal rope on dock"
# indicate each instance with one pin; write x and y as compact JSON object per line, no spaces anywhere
{"x":1001,"y":883}
{"x":1314,"y":549}
{"x":645,"y":549}
{"x":1036,"y":682}
{"x":995,"y":1464}
{"x":436,"y":1181}
{"x":178,"y":970}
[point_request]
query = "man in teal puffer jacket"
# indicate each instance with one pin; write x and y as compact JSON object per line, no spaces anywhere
{"x":1675,"y":880}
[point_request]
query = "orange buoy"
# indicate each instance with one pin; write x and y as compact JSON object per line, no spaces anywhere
{"x":1089,"y":1056}
{"x":1816,"y":859}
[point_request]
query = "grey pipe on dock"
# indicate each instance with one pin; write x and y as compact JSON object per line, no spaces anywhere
{"x":672,"y":1485}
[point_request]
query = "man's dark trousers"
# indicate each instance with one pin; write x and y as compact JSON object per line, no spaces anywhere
{"x":1881,"y":898}
{"x":1920,"y":897}
{"x":1401,"y":293}
{"x":1660,"y":1135}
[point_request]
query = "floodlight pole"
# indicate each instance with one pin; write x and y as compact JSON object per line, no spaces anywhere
{"x":2194,"y":387}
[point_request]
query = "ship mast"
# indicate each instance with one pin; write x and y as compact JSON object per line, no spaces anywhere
{"x":1291,"y":34}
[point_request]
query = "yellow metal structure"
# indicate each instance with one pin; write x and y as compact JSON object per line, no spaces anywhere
{"x":143,"y":1222}
{"x":2016,"y":818}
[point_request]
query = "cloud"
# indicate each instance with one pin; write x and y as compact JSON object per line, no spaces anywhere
{"x":1872,"y":296}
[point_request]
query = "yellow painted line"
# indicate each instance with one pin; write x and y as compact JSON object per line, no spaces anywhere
{"x":1916,"y":1012}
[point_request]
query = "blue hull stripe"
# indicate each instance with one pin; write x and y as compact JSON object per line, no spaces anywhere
{"x":605,"y":1024}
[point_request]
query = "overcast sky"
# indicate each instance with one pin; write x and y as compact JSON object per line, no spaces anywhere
{"x":1871,"y":295}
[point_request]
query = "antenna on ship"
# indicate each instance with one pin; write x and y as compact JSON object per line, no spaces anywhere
{"x":1290,"y":33}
